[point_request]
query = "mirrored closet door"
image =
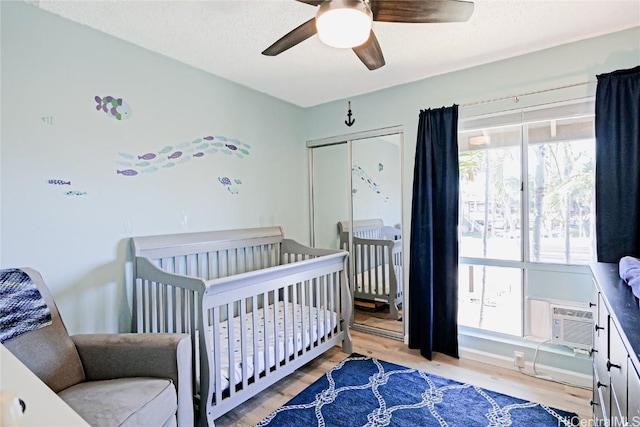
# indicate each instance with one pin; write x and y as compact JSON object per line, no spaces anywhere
{"x":356,"y":205}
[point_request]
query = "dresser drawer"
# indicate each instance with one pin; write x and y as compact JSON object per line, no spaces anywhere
{"x":600,"y":400}
{"x":617,"y":365}
{"x":634,"y":396}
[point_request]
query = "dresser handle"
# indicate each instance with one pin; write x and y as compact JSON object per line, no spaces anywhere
{"x":599,"y":384}
{"x":598,"y":328}
{"x":611,"y":365}
{"x":592,"y":305}
{"x":592,"y":403}
{"x":593,"y":350}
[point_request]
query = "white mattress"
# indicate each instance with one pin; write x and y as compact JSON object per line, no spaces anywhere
{"x":331,"y":319}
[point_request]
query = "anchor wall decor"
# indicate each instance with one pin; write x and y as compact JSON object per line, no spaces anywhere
{"x":349,"y":122}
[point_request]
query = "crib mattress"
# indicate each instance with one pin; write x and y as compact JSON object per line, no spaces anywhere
{"x":302,"y":338}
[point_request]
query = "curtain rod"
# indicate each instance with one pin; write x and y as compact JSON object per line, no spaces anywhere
{"x":516,"y":98}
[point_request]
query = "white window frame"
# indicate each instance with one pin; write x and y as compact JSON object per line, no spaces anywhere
{"x":583,"y":107}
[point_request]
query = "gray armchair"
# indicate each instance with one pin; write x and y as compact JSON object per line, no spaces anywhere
{"x":111,"y":379}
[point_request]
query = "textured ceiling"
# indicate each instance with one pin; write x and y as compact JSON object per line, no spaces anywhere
{"x":226,"y":38}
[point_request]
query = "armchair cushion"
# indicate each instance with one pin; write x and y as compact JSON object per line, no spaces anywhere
{"x":109,"y":356}
{"x":123,"y":402}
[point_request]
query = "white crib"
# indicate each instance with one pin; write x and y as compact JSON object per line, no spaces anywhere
{"x":377,"y":261}
{"x":267,"y":305}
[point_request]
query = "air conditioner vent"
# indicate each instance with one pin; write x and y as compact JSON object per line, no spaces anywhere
{"x":572,"y":312}
{"x":572,"y":326}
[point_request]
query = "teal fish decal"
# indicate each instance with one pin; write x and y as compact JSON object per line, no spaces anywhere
{"x":113,"y":107}
{"x":150,"y":169}
{"x":127,"y":156}
{"x":166,"y":149}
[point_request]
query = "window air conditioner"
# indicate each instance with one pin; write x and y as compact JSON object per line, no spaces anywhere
{"x":572,"y":326}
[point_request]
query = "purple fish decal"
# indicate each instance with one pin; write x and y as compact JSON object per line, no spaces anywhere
{"x":113,"y":107}
{"x":58,"y":182}
{"x":198,"y":154}
{"x":231,"y":147}
{"x":224,"y":180}
{"x":148,"y":156}
{"x":127,"y":172}
{"x":175,"y":155}
{"x":208,"y":138}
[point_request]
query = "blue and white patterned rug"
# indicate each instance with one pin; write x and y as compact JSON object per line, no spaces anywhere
{"x":362,"y":391}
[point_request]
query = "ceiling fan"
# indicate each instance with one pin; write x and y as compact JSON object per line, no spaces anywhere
{"x":347,"y":23}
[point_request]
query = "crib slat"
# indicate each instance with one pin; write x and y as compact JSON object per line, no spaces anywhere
{"x":244,"y":352}
{"x":318,"y":309}
{"x":276,"y":330}
{"x":286,"y":320}
{"x":303,"y":315}
{"x":294,"y":303}
{"x":217,"y":362}
{"x":267,"y":331}
{"x":255,"y":336}
{"x":230,"y":348}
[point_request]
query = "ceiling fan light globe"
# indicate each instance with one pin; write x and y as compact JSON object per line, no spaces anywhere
{"x":344,"y":24}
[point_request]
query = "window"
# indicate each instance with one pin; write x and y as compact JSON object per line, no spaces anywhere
{"x":526,"y":200}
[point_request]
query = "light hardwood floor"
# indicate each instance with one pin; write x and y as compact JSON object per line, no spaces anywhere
{"x":486,"y":376}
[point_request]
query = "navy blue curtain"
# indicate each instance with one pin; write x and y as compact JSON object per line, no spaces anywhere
{"x":618,"y":165}
{"x":433,"y":263}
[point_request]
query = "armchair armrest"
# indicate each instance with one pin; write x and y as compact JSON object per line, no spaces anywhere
{"x":111,"y":356}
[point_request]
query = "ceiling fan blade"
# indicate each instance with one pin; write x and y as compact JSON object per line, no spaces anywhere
{"x":312,"y":2}
{"x":421,"y":11}
{"x":292,"y":38}
{"x":370,"y":53}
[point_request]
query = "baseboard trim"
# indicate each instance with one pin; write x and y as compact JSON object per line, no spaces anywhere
{"x":554,"y":374}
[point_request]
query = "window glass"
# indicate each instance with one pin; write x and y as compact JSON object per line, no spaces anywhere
{"x":561,"y":185}
{"x":490,"y":183}
{"x":490,"y":298}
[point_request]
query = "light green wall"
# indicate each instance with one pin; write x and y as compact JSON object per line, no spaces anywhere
{"x":54,"y":68}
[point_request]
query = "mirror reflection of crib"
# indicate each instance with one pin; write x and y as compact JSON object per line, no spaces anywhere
{"x":377,"y":264}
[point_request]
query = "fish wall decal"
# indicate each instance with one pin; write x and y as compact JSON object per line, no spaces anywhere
{"x":113,"y":107}
{"x":58,"y":182}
